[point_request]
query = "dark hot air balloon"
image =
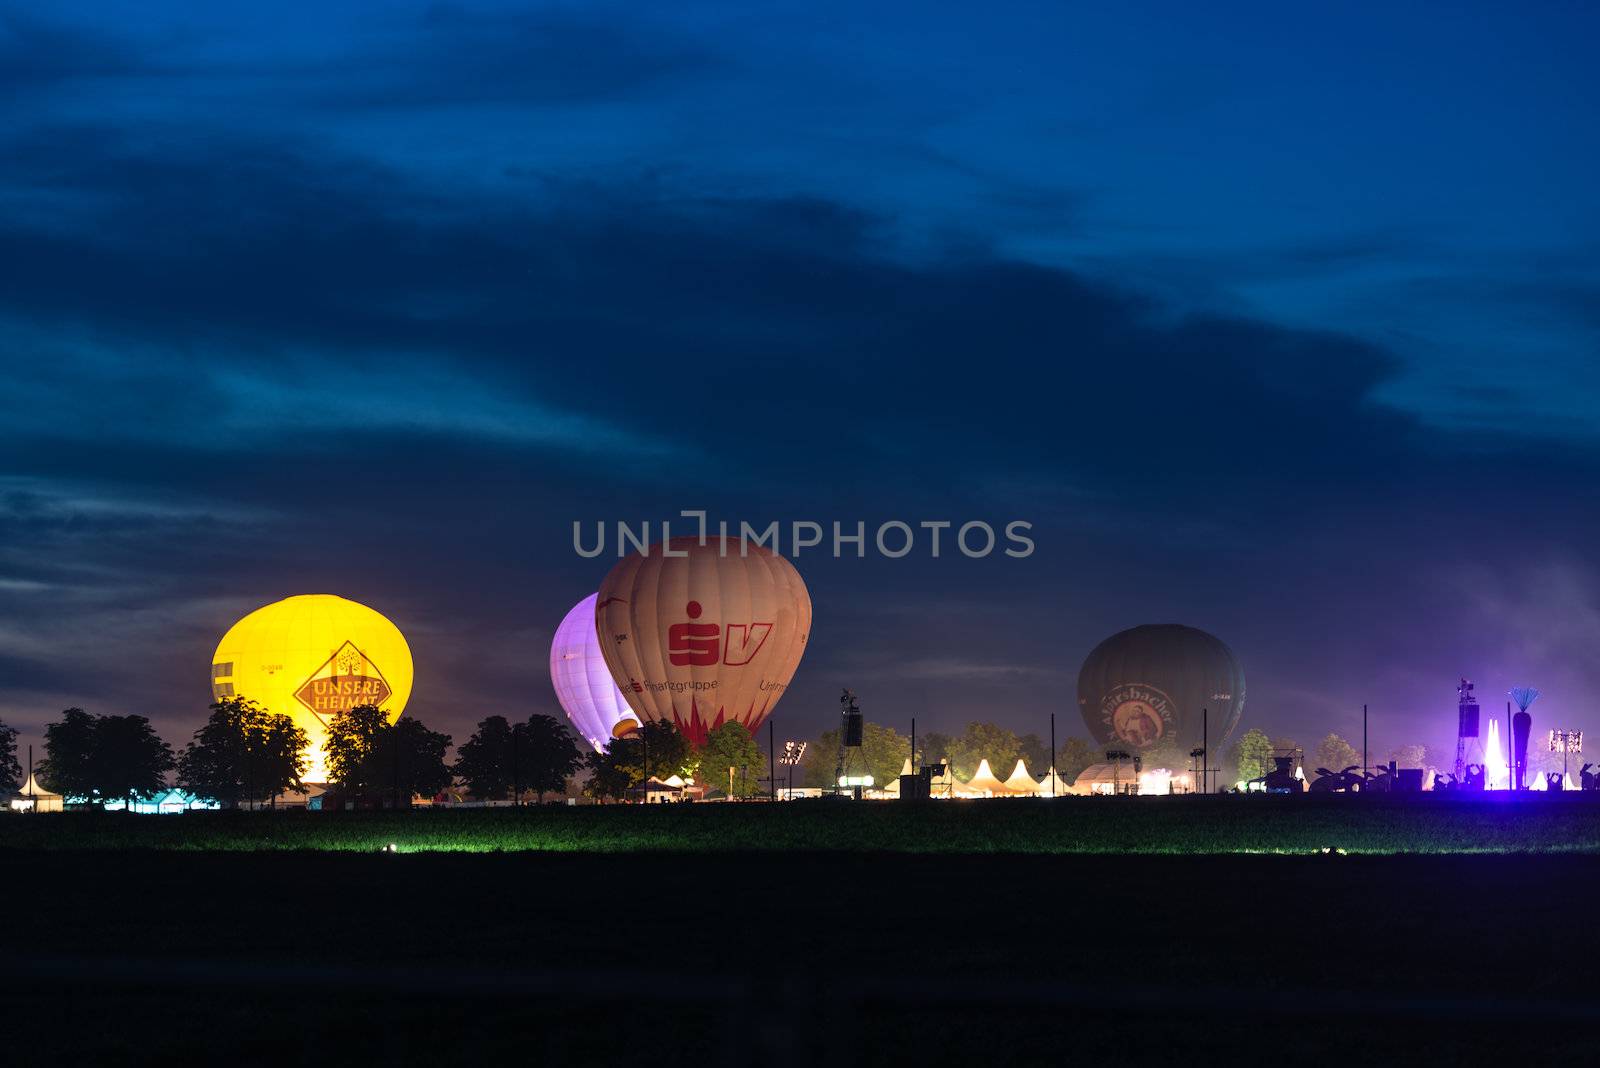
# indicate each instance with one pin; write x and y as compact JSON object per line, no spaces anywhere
{"x":1143,"y":690}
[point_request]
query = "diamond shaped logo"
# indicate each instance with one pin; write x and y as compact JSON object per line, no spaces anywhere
{"x":347,"y":680}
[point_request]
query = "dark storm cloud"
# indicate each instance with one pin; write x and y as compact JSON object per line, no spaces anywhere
{"x":248,"y":279}
{"x":560,"y":296}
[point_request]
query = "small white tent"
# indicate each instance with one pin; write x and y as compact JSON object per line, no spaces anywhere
{"x":893,"y":788}
{"x":1021,"y":784}
{"x":982,"y":784}
{"x":35,"y":798}
{"x":1061,"y":787}
{"x":1106,"y":779}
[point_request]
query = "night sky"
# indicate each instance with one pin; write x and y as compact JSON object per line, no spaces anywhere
{"x":1278,"y":323}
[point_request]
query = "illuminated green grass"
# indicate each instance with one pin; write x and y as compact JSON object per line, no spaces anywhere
{"x":1069,"y":825}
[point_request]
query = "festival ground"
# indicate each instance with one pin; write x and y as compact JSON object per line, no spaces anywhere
{"x":780,"y":957}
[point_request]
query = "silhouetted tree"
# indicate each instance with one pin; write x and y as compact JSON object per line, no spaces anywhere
{"x":621,"y":766}
{"x":352,"y":741}
{"x":414,"y":756}
{"x":68,"y":764}
{"x":546,"y":755}
{"x":935,"y":747}
{"x":484,"y":761}
{"x":984,"y":741}
{"x":103,"y":758}
{"x":10,"y":770}
{"x":730,"y":746}
{"x":610,"y":772}
{"x":130,"y":759}
{"x":370,"y":758}
{"x":1035,"y":751}
{"x":501,"y":759}
{"x":243,"y":753}
{"x":669,"y":752}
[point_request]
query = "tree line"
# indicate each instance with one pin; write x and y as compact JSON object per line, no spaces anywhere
{"x":884,"y":751}
{"x":244,"y":755}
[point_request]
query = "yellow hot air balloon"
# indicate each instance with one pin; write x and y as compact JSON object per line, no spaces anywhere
{"x":706,"y":637}
{"x":310,"y":656}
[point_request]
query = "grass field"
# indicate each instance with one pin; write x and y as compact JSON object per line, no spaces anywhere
{"x":837,"y":959}
{"x":1163,"y":825}
{"x":1127,"y":931}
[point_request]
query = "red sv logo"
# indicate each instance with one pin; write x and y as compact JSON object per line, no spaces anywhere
{"x":700,"y":644}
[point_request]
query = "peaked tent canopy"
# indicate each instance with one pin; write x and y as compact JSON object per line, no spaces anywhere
{"x":983,"y":783}
{"x":894,"y":787}
{"x":1062,"y":789}
{"x":36,"y":797}
{"x":1021,"y":783}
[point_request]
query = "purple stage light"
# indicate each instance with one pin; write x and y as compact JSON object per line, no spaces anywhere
{"x":1495,"y":766}
{"x":582,"y":681}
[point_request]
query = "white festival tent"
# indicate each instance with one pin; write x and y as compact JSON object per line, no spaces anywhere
{"x":982,"y":784}
{"x":33,"y":797}
{"x":1021,"y":784}
{"x":894,"y":787}
{"x":1061,"y":787}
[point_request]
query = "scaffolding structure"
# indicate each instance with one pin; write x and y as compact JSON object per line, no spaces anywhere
{"x":1466,"y":725}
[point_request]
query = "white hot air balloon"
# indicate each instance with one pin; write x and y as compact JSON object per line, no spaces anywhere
{"x":704,"y":636}
{"x":582,"y":681}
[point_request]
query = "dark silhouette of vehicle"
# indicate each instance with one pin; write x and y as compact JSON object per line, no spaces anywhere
{"x":1350,"y":780}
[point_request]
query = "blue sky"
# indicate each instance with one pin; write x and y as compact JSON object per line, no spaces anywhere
{"x":1278,"y":321}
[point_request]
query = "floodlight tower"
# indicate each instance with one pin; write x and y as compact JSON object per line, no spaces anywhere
{"x":793,"y":753}
{"x":1565,"y":742}
{"x":850,"y":734}
{"x":1466,"y":725}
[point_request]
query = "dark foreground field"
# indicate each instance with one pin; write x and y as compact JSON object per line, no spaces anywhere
{"x":1422,"y":823}
{"x":793,"y":957}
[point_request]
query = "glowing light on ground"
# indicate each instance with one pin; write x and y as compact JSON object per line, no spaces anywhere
{"x":1155,"y":781}
{"x":1497,"y":772}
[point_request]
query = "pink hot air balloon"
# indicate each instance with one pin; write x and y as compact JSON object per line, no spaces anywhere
{"x":705,"y":637}
{"x":583,"y":682}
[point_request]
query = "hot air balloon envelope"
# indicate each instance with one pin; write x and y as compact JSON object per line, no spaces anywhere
{"x":710,"y":634}
{"x":582,"y":681}
{"x":1143,"y":690}
{"x":310,"y":657}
